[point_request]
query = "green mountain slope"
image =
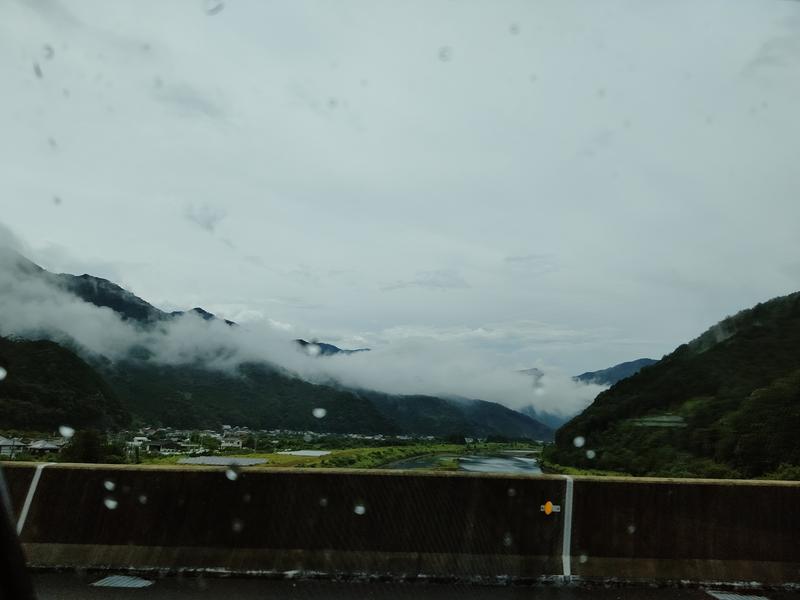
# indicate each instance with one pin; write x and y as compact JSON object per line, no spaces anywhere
{"x":428,"y":415}
{"x":47,"y":386}
{"x":256,"y":395}
{"x":725,"y":404}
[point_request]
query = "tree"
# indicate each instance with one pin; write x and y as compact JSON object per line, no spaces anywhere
{"x":86,"y":446}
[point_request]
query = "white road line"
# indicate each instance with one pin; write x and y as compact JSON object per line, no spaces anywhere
{"x":566,"y":546}
{"x":719,"y":595}
{"x":23,"y":515}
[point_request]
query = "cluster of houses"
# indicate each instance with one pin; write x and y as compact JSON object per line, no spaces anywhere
{"x":11,"y":447}
{"x":166,"y":440}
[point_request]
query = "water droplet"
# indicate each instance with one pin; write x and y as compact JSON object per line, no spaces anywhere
{"x":333,"y":103}
{"x":307,"y":437}
{"x":109,"y":485}
{"x":359,"y":509}
{"x":57,"y":200}
{"x":246,"y":498}
{"x":579,"y":441}
{"x":323,"y":502}
{"x":142,"y":498}
{"x":319,"y":413}
{"x":237,"y":525}
{"x":110,"y":503}
{"x":583,"y":558}
{"x":66,"y":431}
{"x":49,"y":51}
{"x":213,"y":7}
{"x":512,"y":492}
{"x":590,"y":454}
{"x":37,"y":70}
{"x":445,"y":53}
{"x":514,"y":29}
{"x":507,"y":540}
{"x":232,"y":472}
{"x":631,"y":528}
{"x":3,"y":373}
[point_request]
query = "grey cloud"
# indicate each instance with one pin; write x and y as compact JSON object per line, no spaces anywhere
{"x":463,"y":165}
{"x":189,"y":99}
{"x":205,"y":216}
{"x":535,"y":263}
{"x":442,"y":279}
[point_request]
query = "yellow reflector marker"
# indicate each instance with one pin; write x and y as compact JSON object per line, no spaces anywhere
{"x":549,"y":508}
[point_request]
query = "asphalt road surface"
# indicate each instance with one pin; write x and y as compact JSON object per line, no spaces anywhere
{"x":62,"y":586}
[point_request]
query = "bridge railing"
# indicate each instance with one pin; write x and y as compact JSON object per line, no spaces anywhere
{"x":406,"y":524}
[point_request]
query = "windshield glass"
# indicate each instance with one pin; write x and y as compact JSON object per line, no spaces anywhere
{"x":463,"y":290}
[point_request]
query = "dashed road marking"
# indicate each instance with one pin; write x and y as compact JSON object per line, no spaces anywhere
{"x":123,"y":581}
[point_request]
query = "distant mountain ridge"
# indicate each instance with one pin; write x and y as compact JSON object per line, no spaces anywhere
{"x":612,"y":375}
{"x":322,"y":349}
{"x":257,"y":394}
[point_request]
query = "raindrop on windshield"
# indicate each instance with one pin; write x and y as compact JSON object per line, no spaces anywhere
{"x":583,"y":558}
{"x":3,"y":373}
{"x":514,"y":29}
{"x":323,"y":502}
{"x":445,"y":53}
{"x":319,"y":413}
{"x":213,"y":7}
{"x":57,"y":200}
{"x":512,"y":492}
{"x":142,"y":498}
{"x":110,"y":503}
{"x":307,"y":437}
{"x":37,"y":70}
{"x":507,"y":540}
{"x":631,"y":528}
{"x":66,"y":431}
{"x":232,"y":472}
{"x":359,"y":509}
{"x":237,"y":525}
{"x":590,"y":454}
{"x":109,"y":485}
{"x":49,"y":52}
{"x":579,"y":441}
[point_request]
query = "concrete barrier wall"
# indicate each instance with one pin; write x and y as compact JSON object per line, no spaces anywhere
{"x":408,"y":524}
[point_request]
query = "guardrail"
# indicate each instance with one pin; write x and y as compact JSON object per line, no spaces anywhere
{"x":406,"y":524}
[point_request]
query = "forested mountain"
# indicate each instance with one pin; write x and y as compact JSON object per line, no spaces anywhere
{"x":47,"y":385}
{"x":725,"y":404}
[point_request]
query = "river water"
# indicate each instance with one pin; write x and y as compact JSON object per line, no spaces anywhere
{"x":476,"y":463}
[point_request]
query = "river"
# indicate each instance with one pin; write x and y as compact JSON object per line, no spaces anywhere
{"x":477,"y":463}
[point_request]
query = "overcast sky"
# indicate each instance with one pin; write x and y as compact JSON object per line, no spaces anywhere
{"x":563,"y":183}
